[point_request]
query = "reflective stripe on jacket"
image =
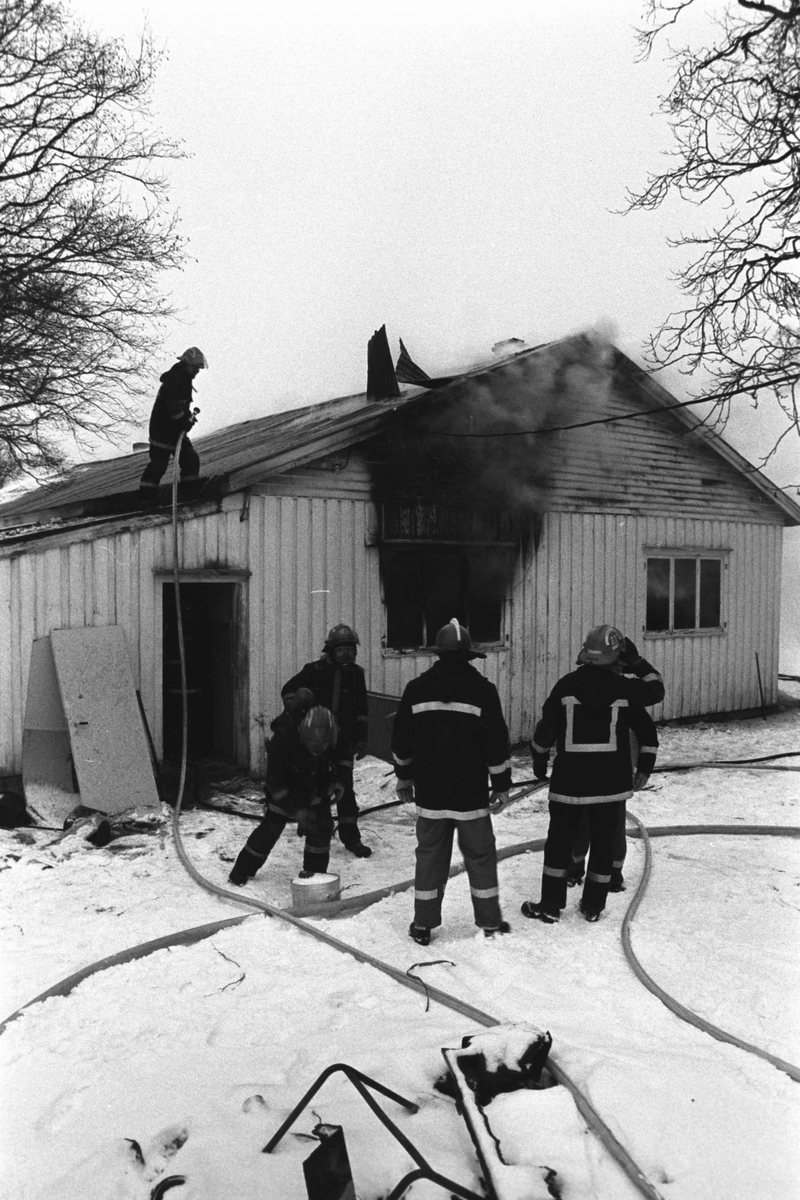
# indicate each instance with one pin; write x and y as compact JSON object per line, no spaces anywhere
{"x":451,"y":739}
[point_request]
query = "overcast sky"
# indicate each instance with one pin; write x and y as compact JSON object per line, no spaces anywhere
{"x":453,"y":171}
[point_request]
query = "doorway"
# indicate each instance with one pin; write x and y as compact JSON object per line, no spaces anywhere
{"x":216,"y":674}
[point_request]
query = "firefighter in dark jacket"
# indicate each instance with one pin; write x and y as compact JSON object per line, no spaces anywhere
{"x":450,"y":746}
{"x":304,"y":776}
{"x":647,"y":732}
{"x":171,"y":416}
{"x":588,"y":716}
{"x":339,"y":684}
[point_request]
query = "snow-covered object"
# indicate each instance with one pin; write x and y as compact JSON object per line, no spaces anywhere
{"x":316,"y":888}
{"x":505,"y":1045}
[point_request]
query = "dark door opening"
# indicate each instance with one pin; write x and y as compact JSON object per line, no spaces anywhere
{"x":215,"y":691}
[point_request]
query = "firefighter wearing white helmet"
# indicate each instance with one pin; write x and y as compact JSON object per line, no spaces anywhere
{"x":589,"y":716}
{"x":451,"y":753}
{"x":338,"y":682}
{"x":172,"y":415}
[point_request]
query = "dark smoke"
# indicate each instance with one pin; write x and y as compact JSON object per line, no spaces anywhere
{"x":442,"y":477}
{"x":436,"y":454}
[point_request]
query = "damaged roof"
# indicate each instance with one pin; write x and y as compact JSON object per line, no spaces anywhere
{"x":240,"y":455}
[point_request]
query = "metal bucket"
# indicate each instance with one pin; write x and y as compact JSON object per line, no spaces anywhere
{"x":308,"y":893}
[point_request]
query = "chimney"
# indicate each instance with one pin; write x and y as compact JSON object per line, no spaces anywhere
{"x":381,"y":379}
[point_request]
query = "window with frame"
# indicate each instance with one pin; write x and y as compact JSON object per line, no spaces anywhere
{"x":684,"y":592}
{"x":426,"y":585}
{"x":439,"y":562}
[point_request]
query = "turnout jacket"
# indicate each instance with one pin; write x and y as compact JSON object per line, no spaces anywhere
{"x":451,"y":739}
{"x":171,"y":413}
{"x":588,"y":716}
{"x":342,"y":688}
{"x":296,"y":779}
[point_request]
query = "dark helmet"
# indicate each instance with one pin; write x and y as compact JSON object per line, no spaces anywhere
{"x":318,"y":731}
{"x":603,"y":646}
{"x":300,"y":701}
{"x":341,"y":635}
{"x":453,"y":637}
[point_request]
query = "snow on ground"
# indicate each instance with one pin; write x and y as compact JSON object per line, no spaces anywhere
{"x":199,"y":1052}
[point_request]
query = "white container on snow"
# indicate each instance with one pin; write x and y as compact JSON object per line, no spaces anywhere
{"x":307,"y":893}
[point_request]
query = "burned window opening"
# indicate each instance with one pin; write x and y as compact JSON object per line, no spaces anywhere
{"x":439,"y":562}
{"x":426,"y":585}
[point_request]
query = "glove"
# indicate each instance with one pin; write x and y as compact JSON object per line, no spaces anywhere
{"x":640,"y":781}
{"x":498,"y":801}
{"x":304,"y":821}
{"x":405,"y":790}
{"x":629,"y":653}
{"x":540,"y":762}
{"x":336,"y":791}
{"x":361,"y":750}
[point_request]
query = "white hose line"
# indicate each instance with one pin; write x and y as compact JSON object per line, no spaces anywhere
{"x":673,"y":1005}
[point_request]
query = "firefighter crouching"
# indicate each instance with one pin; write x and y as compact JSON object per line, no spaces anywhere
{"x":338,"y":683}
{"x":588,"y":716}
{"x":304,"y":777}
{"x":449,"y":740}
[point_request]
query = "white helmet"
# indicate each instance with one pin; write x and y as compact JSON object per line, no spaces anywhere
{"x":194,"y":357}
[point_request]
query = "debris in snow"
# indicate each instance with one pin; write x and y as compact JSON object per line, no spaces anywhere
{"x":506,"y":1045}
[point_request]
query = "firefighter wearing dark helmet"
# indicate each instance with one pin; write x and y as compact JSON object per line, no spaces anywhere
{"x":171,"y":416}
{"x":588,"y":716}
{"x":338,"y":683}
{"x":304,"y":777}
{"x":450,"y":748}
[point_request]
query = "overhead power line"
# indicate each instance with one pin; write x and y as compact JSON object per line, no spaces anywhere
{"x":650,"y":412}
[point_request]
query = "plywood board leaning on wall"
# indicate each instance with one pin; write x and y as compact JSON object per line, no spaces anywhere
{"x":83,"y":728}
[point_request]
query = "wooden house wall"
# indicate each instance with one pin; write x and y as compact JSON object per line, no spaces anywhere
{"x":588,"y":568}
{"x":312,"y":562}
{"x":86,"y":580}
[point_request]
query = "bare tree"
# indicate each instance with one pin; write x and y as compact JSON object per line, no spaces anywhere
{"x":83,"y":232}
{"x":734,"y":111}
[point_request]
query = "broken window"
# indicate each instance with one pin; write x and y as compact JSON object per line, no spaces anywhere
{"x":443,"y":561}
{"x":684,"y":592}
{"x":426,"y":585}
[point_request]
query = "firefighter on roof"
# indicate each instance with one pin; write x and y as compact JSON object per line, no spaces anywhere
{"x":171,"y":416}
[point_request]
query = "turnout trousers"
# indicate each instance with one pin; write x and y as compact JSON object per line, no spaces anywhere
{"x":580,"y":846}
{"x":160,"y":454}
{"x":565,"y":821}
{"x":347,"y":816}
{"x":434,"y":852}
{"x":318,"y":826}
